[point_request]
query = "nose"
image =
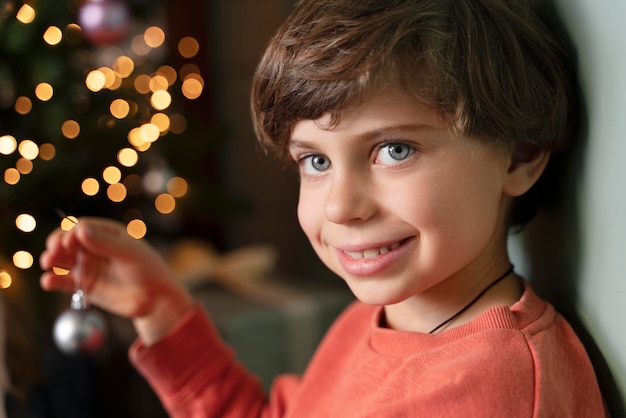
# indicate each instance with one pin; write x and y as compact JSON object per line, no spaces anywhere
{"x":349,"y":199}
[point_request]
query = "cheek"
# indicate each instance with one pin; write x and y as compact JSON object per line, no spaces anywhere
{"x":307,"y":216}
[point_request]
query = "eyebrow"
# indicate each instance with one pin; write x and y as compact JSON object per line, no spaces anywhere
{"x":370,"y":135}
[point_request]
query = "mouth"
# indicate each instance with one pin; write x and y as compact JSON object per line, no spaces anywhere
{"x":372,"y":253}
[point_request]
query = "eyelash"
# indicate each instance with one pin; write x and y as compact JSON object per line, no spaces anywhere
{"x":388,"y":145}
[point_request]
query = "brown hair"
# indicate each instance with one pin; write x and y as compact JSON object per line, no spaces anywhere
{"x":491,"y":67}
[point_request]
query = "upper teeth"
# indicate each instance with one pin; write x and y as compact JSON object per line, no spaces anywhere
{"x":372,"y":253}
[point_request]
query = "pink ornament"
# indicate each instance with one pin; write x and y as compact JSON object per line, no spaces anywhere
{"x":104,"y":21}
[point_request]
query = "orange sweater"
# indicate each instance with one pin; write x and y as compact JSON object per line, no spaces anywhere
{"x":523,"y":361}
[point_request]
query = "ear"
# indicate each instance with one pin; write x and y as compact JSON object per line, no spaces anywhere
{"x":525,"y":169}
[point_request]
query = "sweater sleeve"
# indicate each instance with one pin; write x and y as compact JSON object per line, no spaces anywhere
{"x":195,"y":374}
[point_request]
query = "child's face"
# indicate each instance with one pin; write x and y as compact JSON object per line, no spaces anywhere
{"x":394,"y":203}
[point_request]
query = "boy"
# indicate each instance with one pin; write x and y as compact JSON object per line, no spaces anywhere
{"x":415,"y":126}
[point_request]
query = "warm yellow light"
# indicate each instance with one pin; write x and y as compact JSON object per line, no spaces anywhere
{"x":90,"y":186}
{"x":137,"y":228}
{"x":161,"y":120}
{"x":160,"y":100}
{"x":60,"y":271}
{"x":23,"y":260}
{"x":154,"y":37}
{"x":47,"y":151}
{"x":112,"y":175}
{"x":177,"y":186}
{"x":188,"y":47}
{"x":70,"y":129}
{"x":26,"y":14}
{"x":25,"y":222}
{"x":128,"y":157}
{"x":23,"y":105}
{"x":142,"y":84}
{"x":136,"y":140}
{"x":124,"y":66}
{"x":192,"y":88}
{"x":158,"y":82}
{"x":28,"y":149}
{"x":5,"y":279}
{"x":149,"y":132}
{"x":178,"y":123}
{"x":52,"y":35}
{"x":165,"y":203}
{"x":119,"y":108}
{"x":95,"y":80}
{"x":11,"y":176}
{"x":8,"y":144}
{"x":111,"y":79}
{"x":116,"y":192}
{"x":168,"y":72}
{"x":44,"y":91}
{"x":68,"y":222}
{"x":24,"y":166}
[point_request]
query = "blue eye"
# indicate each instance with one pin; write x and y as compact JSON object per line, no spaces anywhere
{"x":394,"y":153}
{"x":314,"y":164}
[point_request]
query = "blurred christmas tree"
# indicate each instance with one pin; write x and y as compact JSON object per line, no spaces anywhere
{"x":93,"y":121}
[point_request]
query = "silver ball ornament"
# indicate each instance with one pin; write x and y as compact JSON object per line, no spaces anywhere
{"x":80,"y":330}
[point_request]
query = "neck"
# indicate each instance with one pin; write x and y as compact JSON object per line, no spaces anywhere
{"x":454,"y":302}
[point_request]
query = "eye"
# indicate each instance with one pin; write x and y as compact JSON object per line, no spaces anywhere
{"x":393,"y":153}
{"x":314,"y":164}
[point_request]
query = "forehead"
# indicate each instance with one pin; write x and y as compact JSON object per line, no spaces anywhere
{"x":374,"y":111}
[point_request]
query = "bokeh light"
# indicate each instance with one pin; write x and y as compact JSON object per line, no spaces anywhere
{"x":160,"y":100}
{"x":95,"y":80}
{"x":154,"y":37}
{"x":177,"y":186}
{"x":47,"y":151}
{"x":11,"y":176}
{"x":188,"y":47}
{"x":70,"y":129}
{"x":90,"y":186}
{"x":23,"y":259}
{"x":165,"y":203}
{"x":23,"y":105}
{"x":112,"y":174}
{"x":26,"y":14}
{"x":53,"y":35}
{"x":116,"y":192}
{"x":119,"y":108}
{"x":8,"y":144}
{"x":5,"y":279}
{"x":25,"y":222}
{"x":128,"y":157}
{"x":24,"y":165}
{"x":44,"y":91}
{"x":124,"y":66}
{"x":28,"y":149}
{"x":68,"y":222}
{"x":136,"y":228}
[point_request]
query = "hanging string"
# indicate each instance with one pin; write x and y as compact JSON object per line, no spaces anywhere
{"x":481,"y":294}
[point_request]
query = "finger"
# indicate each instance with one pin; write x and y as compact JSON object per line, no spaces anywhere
{"x":53,"y":282}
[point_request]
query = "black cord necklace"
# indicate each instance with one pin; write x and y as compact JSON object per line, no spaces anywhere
{"x":485,"y":290}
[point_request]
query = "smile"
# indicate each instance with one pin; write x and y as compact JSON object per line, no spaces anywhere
{"x":373,"y":252}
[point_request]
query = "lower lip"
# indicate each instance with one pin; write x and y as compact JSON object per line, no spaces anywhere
{"x":371,"y":266}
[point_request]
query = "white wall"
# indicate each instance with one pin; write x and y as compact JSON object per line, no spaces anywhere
{"x":598,"y":29}
{"x":587,"y":230}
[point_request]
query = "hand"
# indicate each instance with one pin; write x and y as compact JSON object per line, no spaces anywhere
{"x":121,"y":274}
